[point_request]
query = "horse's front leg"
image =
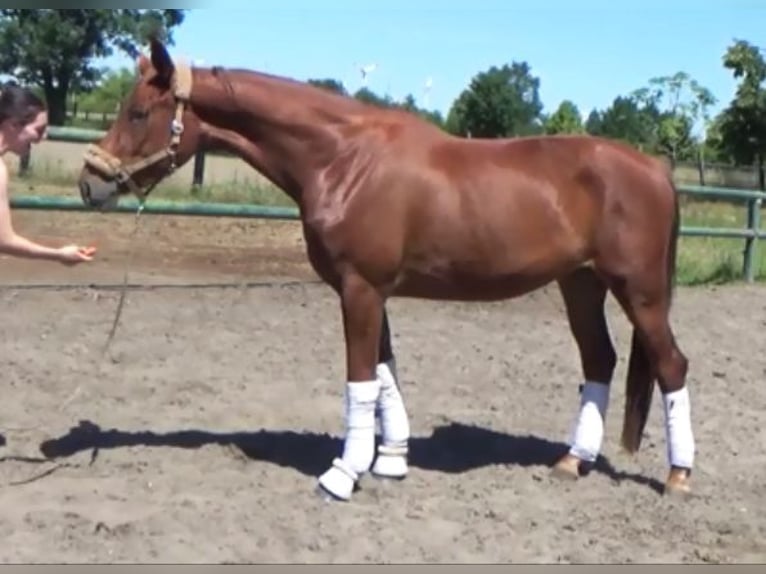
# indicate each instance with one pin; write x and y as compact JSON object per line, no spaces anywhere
{"x":362,"y":307}
{"x":394,"y":422}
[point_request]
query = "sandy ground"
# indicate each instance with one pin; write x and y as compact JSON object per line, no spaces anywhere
{"x":198,"y":436}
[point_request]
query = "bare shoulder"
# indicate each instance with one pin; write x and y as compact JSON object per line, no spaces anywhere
{"x":3,"y":173}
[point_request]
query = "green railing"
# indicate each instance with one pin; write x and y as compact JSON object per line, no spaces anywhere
{"x":751,"y":232}
{"x":159,"y":207}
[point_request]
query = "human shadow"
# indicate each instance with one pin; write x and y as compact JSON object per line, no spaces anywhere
{"x":451,"y":448}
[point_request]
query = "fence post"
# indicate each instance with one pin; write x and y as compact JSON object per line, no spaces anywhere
{"x":701,"y":164}
{"x":199,"y":169}
{"x":751,"y":243}
{"x":24,"y":162}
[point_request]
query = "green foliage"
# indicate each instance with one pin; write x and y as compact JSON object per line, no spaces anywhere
{"x":370,"y":97}
{"x":499,"y":102}
{"x":55,"y":49}
{"x":743,"y":123}
{"x":625,"y":119}
{"x":410,"y":105}
{"x":111,"y":91}
{"x":330,"y":84}
{"x":433,"y":116}
{"x":713,"y":148}
{"x":681,"y":102}
{"x":565,"y":120}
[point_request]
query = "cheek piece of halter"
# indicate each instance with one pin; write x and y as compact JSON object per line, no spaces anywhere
{"x":112,"y":167}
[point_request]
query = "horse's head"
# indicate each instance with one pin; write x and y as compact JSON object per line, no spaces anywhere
{"x":153,"y":134}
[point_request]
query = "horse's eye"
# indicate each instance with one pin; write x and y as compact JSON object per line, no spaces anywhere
{"x":135,"y":114}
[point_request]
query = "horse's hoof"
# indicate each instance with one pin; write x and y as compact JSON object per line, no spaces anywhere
{"x":385,"y":477}
{"x":391,"y":464}
{"x":337,"y":482}
{"x":567,"y":468}
{"x":327,"y":496}
{"x":678,"y":484}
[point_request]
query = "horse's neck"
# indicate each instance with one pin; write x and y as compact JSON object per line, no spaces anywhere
{"x":281,"y":128}
{"x":245,"y":149}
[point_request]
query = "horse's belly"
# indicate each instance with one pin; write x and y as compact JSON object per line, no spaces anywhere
{"x":456,"y":283}
{"x":496,"y":254}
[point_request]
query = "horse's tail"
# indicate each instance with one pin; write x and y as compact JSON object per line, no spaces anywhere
{"x":641,"y":378}
{"x":638,"y":395}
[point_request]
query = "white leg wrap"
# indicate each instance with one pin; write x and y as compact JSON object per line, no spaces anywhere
{"x":678,"y":428}
{"x":588,"y":433}
{"x":359,"y":443}
{"x":394,"y":425}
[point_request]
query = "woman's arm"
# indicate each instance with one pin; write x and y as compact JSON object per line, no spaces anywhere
{"x":13,"y":244}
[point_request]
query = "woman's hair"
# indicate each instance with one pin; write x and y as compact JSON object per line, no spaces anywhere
{"x":19,"y":104}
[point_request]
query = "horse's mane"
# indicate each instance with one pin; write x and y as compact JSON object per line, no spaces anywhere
{"x":317,"y":93}
{"x":320,"y":98}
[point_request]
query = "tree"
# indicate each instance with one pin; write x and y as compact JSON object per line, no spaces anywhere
{"x":713,"y":148}
{"x":368,"y":96}
{"x":626,"y":120}
{"x":111,"y":91}
{"x":594,"y":123}
{"x":682,"y":103}
{"x":409,"y":104}
{"x":329,"y":84}
{"x":743,"y":123}
{"x":565,"y":120}
{"x":454,"y":122}
{"x":499,"y":102}
{"x":55,"y":49}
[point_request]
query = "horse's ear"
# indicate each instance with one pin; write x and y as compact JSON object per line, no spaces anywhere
{"x":161,"y":60}
{"x":143,"y":64}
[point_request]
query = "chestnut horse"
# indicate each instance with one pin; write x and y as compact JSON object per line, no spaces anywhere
{"x":392,"y":206}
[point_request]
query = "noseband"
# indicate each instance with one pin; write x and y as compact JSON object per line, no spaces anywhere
{"x":112,"y":167}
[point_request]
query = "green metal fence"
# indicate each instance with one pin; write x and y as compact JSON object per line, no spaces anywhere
{"x":160,"y":207}
{"x":750,"y":233}
{"x":752,"y":230}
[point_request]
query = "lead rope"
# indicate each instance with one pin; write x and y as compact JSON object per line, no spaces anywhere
{"x":120,"y":303}
{"x":126,"y":270}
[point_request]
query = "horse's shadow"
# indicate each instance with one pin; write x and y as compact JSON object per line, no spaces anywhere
{"x":451,"y":448}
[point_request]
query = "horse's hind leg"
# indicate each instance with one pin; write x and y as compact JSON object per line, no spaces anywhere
{"x":394,"y":423}
{"x":647,"y":303}
{"x":584,"y":294}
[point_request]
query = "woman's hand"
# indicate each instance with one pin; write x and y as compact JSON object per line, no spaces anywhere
{"x":74,"y":254}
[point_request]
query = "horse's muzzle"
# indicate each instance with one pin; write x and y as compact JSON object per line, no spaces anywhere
{"x":98,"y":193}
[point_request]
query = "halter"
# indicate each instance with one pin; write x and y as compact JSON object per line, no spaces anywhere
{"x":112,"y":167}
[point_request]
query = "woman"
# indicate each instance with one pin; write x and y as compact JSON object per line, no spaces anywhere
{"x":24,"y":121}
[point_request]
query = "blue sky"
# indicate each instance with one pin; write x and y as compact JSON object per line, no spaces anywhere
{"x":589,"y":51}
